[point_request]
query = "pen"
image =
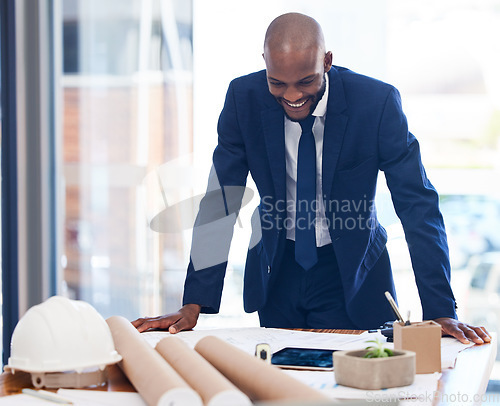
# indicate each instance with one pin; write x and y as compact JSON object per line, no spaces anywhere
{"x":46,"y":395}
{"x":394,"y":307}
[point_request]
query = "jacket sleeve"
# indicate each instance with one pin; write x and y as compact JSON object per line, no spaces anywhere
{"x":214,"y":224}
{"x":417,"y":205}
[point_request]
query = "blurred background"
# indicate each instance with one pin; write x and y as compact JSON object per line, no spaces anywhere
{"x":135,"y":91}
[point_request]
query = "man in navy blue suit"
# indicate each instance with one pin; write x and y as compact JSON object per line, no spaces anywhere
{"x":314,"y":137}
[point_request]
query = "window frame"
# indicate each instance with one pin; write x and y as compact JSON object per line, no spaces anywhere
{"x":10,"y":311}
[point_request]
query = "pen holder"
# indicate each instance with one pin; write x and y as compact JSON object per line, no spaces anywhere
{"x":424,"y":338}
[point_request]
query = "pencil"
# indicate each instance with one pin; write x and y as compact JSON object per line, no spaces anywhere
{"x":394,"y":307}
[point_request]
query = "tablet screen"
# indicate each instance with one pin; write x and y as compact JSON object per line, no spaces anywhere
{"x":303,"y":358}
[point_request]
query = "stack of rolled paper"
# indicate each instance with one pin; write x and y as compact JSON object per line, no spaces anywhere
{"x":214,"y":374}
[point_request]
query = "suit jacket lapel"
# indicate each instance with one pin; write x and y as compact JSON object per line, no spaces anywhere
{"x":274,"y":134}
{"x":335,"y":125}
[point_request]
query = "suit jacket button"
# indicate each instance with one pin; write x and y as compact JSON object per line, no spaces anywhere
{"x":268,"y":269}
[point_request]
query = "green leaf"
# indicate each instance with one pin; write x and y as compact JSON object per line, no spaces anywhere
{"x":377,"y":350}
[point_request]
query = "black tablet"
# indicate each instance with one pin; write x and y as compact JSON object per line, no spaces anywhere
{"x":303,"y":358}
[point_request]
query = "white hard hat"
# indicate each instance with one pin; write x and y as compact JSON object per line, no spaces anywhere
{"x":61,"y":335}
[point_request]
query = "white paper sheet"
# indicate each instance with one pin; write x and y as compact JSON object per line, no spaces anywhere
{"x":101,"y":398}
{"x":23,"y":400}
{"x":246,"y":338}
{"x":450,"y":347}
{"x":79,"y":398}
{"x":325,"y":381}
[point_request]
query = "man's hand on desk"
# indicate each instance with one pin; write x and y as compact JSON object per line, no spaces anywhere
{"x":184,"y":319}
{"x":463,"y":332}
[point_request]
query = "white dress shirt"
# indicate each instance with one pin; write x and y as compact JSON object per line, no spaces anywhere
{"x":292,"y":137}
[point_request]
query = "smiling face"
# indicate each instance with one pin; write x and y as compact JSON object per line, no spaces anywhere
{"x":296,"y":78}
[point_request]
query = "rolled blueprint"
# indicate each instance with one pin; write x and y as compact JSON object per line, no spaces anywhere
{"x":258,"y":380}
{"x":211,"y":385}
{"x":155,"y":380}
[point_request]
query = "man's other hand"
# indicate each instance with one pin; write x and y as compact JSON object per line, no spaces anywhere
{"x":184,"y":319}
{"x":465,"y":333}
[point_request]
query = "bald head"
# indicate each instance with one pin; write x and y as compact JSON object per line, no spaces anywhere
{"x":293,"y":32}
{"x":296,"y":63}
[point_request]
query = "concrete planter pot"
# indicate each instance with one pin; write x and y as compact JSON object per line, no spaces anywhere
{"x":351,"y":369}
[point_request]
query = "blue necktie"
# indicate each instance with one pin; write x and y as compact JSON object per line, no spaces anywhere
{"x":305,"y":220}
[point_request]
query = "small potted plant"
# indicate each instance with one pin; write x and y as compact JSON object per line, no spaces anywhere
{"x":375,"y":367}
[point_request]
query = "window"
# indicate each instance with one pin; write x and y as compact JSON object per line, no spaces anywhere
{"x":8,"y":197}
{"x":127,"y":109}
{"x":480,"y":276}
{"x":1,"y":205}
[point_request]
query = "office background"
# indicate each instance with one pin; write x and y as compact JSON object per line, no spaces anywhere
{"x":109,"y":112}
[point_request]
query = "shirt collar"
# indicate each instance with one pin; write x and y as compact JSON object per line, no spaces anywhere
{"x":320,"y":109}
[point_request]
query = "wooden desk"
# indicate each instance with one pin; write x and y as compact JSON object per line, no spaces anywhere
{"x":463,"y":385}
